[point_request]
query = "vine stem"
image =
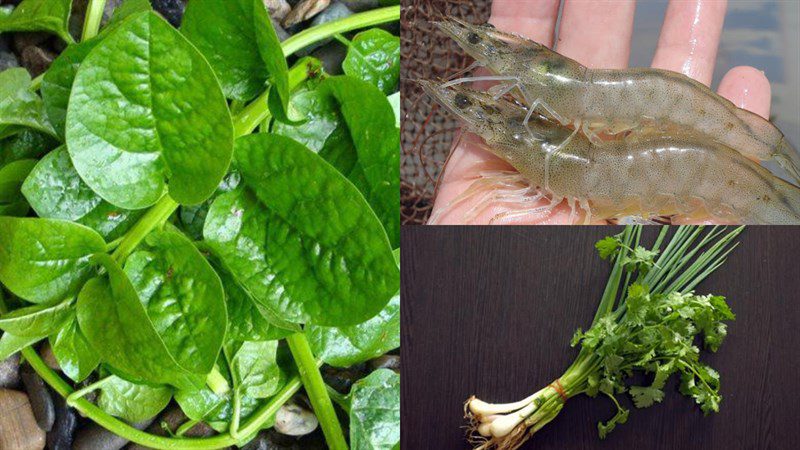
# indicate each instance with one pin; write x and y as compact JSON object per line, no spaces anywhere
{"x":153,"y":218}
{"x":317,"y":391}
{"x":94,"y":15}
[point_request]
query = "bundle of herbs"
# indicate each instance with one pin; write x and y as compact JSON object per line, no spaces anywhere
{"x":649,"y":320}
{"x":196,"y":216}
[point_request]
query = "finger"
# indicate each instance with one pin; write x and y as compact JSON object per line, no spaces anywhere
{"x":690,"y":38}
{"x":534,"y":19}
{"x":597,"y":34}
{"x":748,"y":88}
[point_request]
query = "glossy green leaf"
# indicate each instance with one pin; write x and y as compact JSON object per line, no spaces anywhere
{"x":114,"y":322}
{"x":237,"y":38}
{"x":37,"y":320}
{"x":146,"y":111}
{"x":58,"y":79}
{"x":12,"y":175}
{"x":347,"y":346}
{"x":131,"y":401}
{"x":247,"y":320}
{"x":72,"y":350}
{"x":183,"y":297}
{"x":254,"y":368}
{"x":44,"y":260}
{"x":40,"y":15}
{"x":321,"y":119}
{"x":394,"y":100}
{"x":10,"y":344}
{"x":371,"y":121}
{"x":193,"y":217}
{"x":314,"y":254}
{"x":19,"y":105}
{"x":374,"y":56}
{"x":375,"y":411}
{"x":27,"y":144}
{"x":55,"y":191}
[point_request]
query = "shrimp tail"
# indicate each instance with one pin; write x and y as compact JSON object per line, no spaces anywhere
{"x":787,"y":157}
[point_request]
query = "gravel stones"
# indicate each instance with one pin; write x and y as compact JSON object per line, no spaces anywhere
{"x":18,"y":428}
{"x":9,"y":372}
{"x":39,"y":397}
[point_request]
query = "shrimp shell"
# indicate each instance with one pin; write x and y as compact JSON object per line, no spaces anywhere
{"x":613,"y":101}
{"x":644,"y":174}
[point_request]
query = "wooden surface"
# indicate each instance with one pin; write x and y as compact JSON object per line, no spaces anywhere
{"x":490,"y":311}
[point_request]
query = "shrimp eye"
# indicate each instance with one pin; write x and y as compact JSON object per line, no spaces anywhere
{"x":473,"y":38}
{"x":462,"y":101}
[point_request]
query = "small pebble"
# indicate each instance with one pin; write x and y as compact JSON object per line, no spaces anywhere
{"x":18,"y":428}
{"x":391,"y":362}
{"x":95,"y":437}
{"x":294,"y":420}
{"x":63,"y":432}
{"x":39,"y":396}
{"x":172,"y":10}
{"x":282,"y":34}
{"x":342,"y":379}
{"x":23,"y":40}
{"x":173,"y":418}
{"x":335,"y":11}
{"x":46,"y":352}
{"x":331,"y":56}
{"x":278,"y":9}
{"x":305,"y":10}
{"x":9,"y":367}
{"x":361,"y":5}
{"x":37,"y":60}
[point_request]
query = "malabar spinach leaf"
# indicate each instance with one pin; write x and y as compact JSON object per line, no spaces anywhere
{"x":146,"y":111}
{"x":247,"y":320}
{"x":75,"y":356}
{"x":19,"y":105}
{"x":254,"y":368}
{"x":12,"y":176}
{"x":114,"y":321}
{"x":375,"y":411}
{"x":36,"y":320}
{"x":10,"y":344}
{"x":183,"y":298}
{"x":374,"y":56}
{"x":237,"y":38}
{"x":314,"y":254}
{"x":371,"y":121}
{"x":346,"y":346}
{"x":26,"y":144}
{"x":44,"y":260}
{"x":131,"y":401}
{"x":40,"y":15}
{"x":55,"y":191}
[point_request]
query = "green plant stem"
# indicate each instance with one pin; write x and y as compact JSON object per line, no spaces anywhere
{"x":152,"y":219}
{"x":258,"y":110}
{"x":317,"y":391}
{"x":321,"y":32}
{"x":160,"y":442}
{"x":94,"y":15}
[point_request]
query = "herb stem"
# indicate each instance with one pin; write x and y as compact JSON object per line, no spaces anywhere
{"x":317,"y":391}
{"x":94,"y":15}
{"x":153,"y":218}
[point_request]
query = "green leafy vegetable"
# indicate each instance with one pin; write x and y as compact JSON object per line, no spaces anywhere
{"x":19,"y":106}
{"x":171,"y":122}
{"x":374,"y":56}
{"x":37,"y":320}
{"x":43,"y":260}
{"x":130,"y":401}
{"x":375,"y":411}
{"x":40,"y":15}
{"x":75,"y":356}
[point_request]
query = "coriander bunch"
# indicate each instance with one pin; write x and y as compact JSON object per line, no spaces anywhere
{"x":649,"y":320}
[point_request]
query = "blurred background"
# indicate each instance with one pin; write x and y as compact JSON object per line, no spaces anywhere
{"x":760,"y":33}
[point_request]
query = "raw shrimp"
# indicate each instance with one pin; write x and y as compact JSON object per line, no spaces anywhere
{"x":614,"y":101}
{"x":647,"y":174}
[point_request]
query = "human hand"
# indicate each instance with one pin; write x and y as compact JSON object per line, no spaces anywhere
{"x":598,"y":35}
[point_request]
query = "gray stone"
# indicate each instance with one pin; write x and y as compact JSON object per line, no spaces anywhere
{"x":39,"y":396}
{"x":331,"y":56}
{"x":295,"y":420}
{"x":9,"y":367}
{"x":173,"y":418}
{"x":18,"y":428}
{"x":391,"y":362}
{"x":172,"y":10}
{"x":46,"y":352}
{"x":24,"y":40}
{"x":60,"y":438}
{"x":305,"y":10}
{"x":95,"y":437}
{"x":282,"y":34}
{"x":278,"y":9}
{"x":361,"y":5}
{"x":108,"y":11}
{"x":333,"y":12}
{"x":342,"y":379}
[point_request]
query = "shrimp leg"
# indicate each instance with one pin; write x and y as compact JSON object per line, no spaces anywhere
{"x":537,"y":211}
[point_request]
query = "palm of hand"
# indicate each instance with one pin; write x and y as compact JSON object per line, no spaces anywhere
{"x":598,"y":35}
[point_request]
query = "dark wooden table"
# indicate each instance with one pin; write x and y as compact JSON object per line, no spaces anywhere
{"x":490,"y":311}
